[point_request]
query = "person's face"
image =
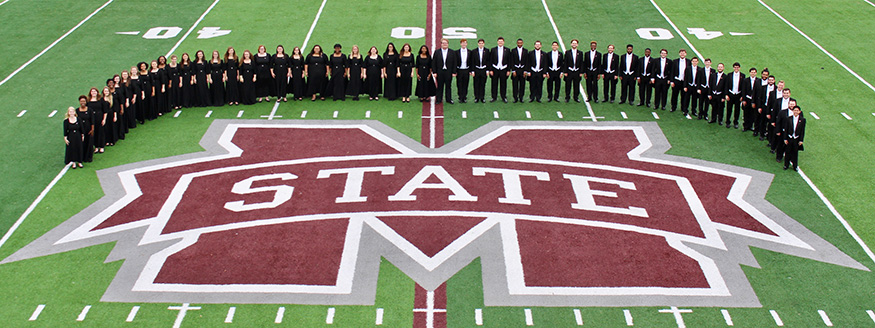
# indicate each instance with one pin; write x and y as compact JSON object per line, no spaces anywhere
{"x":82,"y":102}
{"x":445,"y":44}
{"x":501,"y":42}
{"x":663,"y":54}
{"x":771,"y":81}
{"x":116,"y":79}
{"x":765,"y":75}
{"x":463,"y":44}
{"x":71,"y":111}
{"x":610,"y":49}
{"x":537,"y":46}
{"x":707,"y":63}
{"x":173,"y":60}
{"x":94,"y":93}
{"x":735,"y":69}
{"x":261,"y":49}
{"x":105,"y":92}
{"x":781,"y":85}
{"x":318,"y":49}
{"x":555,"y":47}
{"x":519,"y":43}
{"x":592,"y":46}
{"x":791,"y":104}
{"x":280,"y":50}
{"x":337,"y":50}
{"x":480,"y":44}
{"x":629,"y":50}
{"x":695,"y":62}
{"x":753,"y":73}
{"x":796,"y":111}
{"x":786,"y":93}
{"x":185,"y":57}
{"x":682,"y":54}
{"x":647,"y":53}
{"x":154,"y":65}
{"x":355,"y":49}
{"x":720,"y":68}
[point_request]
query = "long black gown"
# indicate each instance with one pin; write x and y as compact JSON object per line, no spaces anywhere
{"x":390,"y":62}
{"x":405,"y":82}
{"x":127,"y":96}
{"x":217,"y":88}
{"x":132,"y":111}
{"x":97,"y":108}
{"x":174,"y":95}
{"x":145,"y":99}
{"x":264,"y":82}
{"x":157,"y":101}
{"x":232,"y":86}
{"x":87,"y":119}
{"x":338,"y":81}
{"x":373,"y":75}
{"x":354,"y":87}
{"x":299,"y":85}
{"x":188,"y":93}
{"x":114,"y":122}
{"x":424,"y":84}
{"x":280,"y":66}
{"x":247,"y":94}
{"x":162,"y":92}
{"x":202,"y":89}
{"x":316,"y":70}
{"x":73,"y":132}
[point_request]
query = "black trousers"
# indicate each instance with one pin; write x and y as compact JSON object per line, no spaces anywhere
{"x":499,"y":79}
{"x":444,"y":85}
{"x":761,"y":125}
{"x":627,"y":88}
{"x":792,"y":153}
{"x":479,"y":83}
{"x":678,"y":89}
{"x":691,"y":101}
{"x":645,"y":90}
{"x":553,"y":82}
{"x":518,"y":81}
{"x":717,"y":104}
{"x":704,"y":103}
{"x":660,"y":88}
{"x":592,"y":86}
{"x":462,"y":78}
{"x":610,"y":85}
{"x":536,"y":86}
{"x":733,"y":107}
{"x":749,"y":114}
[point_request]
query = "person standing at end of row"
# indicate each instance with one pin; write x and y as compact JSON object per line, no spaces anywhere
{"x":74,"y":137}
{"x":610,"y":64}
{"x":444,"y":65}
{"x":536,"y":61}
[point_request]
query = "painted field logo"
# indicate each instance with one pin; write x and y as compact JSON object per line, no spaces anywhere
{"x":560,"y":215}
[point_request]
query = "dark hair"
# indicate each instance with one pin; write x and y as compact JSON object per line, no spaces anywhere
{"x":694,"y":57}
{"x":786,"y":89}
{"x":500,"y":38}
{"x":736,"y":64}
{"x":753,"y":69}
{"x":707,"y":59}
{"x":765,"y":69}
{"x":83,"y":97}
{"x":519,"y":39}
{"x":629,"y":45}
{"x":554,"y":42}
{"x":647,"y":49}
{"x":426,"y":50}
{"x":663,"y":49}
{"x":481,"y":40}
{"x":387,"y":49}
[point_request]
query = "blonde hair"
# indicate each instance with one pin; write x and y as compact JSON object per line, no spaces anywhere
{"x":107,"y":98}
{"x":67,"y":115}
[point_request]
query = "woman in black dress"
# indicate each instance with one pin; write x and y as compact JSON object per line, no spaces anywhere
{"x":164,"y":91}
{"x":108,"y":105}
{"x":425,"y":86}
{"x":405,"y":75}
{"x":95,"y":104}
{"x":200,"y":73}
{"x":216,"y":79}
{"x":156,"y":101}
{"x":247,"y":78}
{"x":280,"y":72}
{"x":263,"y":81}
{"x":338,"y":70}
{"x":74,"y":138}
{"x":297,"y":79}
{"x":355,"y":73}
{"x":374,"y":73}
{"x":174,"y":95}
{"x":390,"y":63}
{"x":145,"y":94}
{"x":232,"y":80}
{"x":186,"y":74}
{"x":136,"y":91}
{"x":86,"y":116}
{"x":121,"y":90}
{"x":118,"y":108}
{"x":315,"y":69}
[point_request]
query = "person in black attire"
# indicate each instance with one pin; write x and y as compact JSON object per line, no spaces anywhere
{"x":280,"y":72}
{"x":263,"y":81}
{"x":444,"y":65}
{"x":145,"y":94}
{"x":164,"y":91}
{"x":136,"y":91}
{"x":86,"y":116}
{"x":156,"y":101}
{"x":337,"y":70}
{"x":794,"y":134}
{"x":173,"y":75}
{"x":750,"y":89}
{"x":374,"y":73}
{"x":499,"y":70}
{"x":391,"y":73}
{"x":187,"y":82}
{"x":122,"y":90}
{"x":201,"y":70}
{"x":660,"y":79}
{"x":425,"y":86}
{"x":481,"y":63}
{"x":463,"y":70}
{"x":355,"y":72}
{"x":247,"y":78}
{"x":610,"y":65}
{"x":217,"y":80}
{"x":405,"y":68}
{"x":718,"y":95}
{"x":555,"y":62}
{"x":117,"y":107}
{"x":109,"y":107}
{"x":518,"y":58}
{"x":316,"y":72}
{"x":95,"y":105}
{"x":628,"y":73}
{"x":232,"y":80}
{"x":536,"y":62}
{"x":73,"y":137}
{"x":297,"y":78}
{"x":592,"y":63}
{"x":645,"y":71}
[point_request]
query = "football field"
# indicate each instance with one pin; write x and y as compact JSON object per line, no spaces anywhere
{"x":813,"y":271}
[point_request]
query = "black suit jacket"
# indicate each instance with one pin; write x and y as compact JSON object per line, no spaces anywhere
{"x":704,"y":80}
{"x":480,"y":62}
{"x":764,"y":94}
{"x":560,"y":61}
{"x":516,"y":62}
{"x":777,"y":107}
{"x":718,"y":86}
{"x":615,"y":64}
{"x":749,"y":92}
{"x":654,"y":74}
{"x":742,"y":79}
{"x":645,"y":70}
{"x":531,"y":61}
{"x":675,"y":69}
{"x":437,"y":63}
{"x":691,"y":80}
{"x":468,"y":61}
{"x":596,"y":61}
{"x":799,"y":131}
{"x":493,"y":55}
{"x":633,"y":67}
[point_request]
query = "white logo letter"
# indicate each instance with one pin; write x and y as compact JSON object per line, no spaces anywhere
{"x":282,"y":192}
{"x":352,"y":189}
{"x":586,"y":201}
{"x":447,"y":182}
{"x":513,"y":190}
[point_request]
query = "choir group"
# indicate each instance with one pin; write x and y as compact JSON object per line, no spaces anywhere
{"x":150,"y":90}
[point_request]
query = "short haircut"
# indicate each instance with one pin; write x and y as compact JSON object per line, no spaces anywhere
{"x":786,"y":89}
{"x":83,"y":97}
{"x":519,"y":39}
{"x":765,"y":69}
{"x":463,"y":40}
{"x":630,"y":46}
{"x":696,"y":58}
{"x":500,"y":38}
{"x":537,"y":41}
{"x":554,"y":42}
{"x":663,"y":50}
{"x":736,"y":64}
{"x":646,"y":49}
{"x":772,"y":77}
{"x":753,"y":69}
{"x":682,"y":50}
{"x":575,"y":40}
{"x":481,"y":40}
{"x":707,"y":59}
{"x":593,"y":42}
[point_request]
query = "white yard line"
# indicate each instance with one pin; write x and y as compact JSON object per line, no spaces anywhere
{"x":313,"y":26}
{"x":193,"y":26}
{"x":818,"y":46}
{"x":5,"y":1}
{"x":56,"y":42}
{"x":867,"y":1}
{"x":33,"y":205}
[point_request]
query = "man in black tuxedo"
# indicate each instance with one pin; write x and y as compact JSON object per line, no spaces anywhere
{"x":554,"y":72}
{"x":535,"y":62}
{"x":704,"y":91}
{"x":518,"y":59}
{"x":718,"y":94}
{"x":678,"y":74}
{"x":463,"y":70}
{"x":766,"y":97}
{"x":444,"y":65}
{"x":660,"y":79}
{"x":782,"y":109}
{"x":610,"y":64}
{"x":481,"y":63}
{"x":691,"y":87}
{"x":592,"y":63}
{"x":749,"y":89}
{"x":734,"y":94}
{"x":500,"y":59}
{"x":794,"y":134}
{"x":645,"y":70}
{"x":628,"y":74}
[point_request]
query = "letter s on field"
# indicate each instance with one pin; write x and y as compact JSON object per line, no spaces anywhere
{"x":282,"y":193}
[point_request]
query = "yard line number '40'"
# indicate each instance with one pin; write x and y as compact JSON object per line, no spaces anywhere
{"x":169,"y":32}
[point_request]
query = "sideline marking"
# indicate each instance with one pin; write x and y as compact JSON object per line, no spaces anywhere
{"x":329,"y":317}
{"x":182,"y":311}
{"x":52,"y":114}
{"x":303,"y":114}
{"x":229,"y":318}
{"x":465,"y":114}
{"x":825,"y":318}
{"x":815,"y":115}
{"x":817,"y":45}
{"x":869,"y":312}
{"x":528,"y":114}
{"x":56,"y":41}
{"x":272,"y":112}
{"x":22,"y":113}
{"x":628,"y":315}
{"x":177,"y":113}
{"x":655,"y":115}
{"x":5,"y":1}
{"x":775,"y":316}
{"x":847,"y":117}
{"x":279,"y":314}
{"x":578,"y":317}
{"x":335,"y":114}
{"x":429,"y":309}
{"x":624,"y":115}
{"x":209,"y":113}
{"x":240,"y":114}
{"x":478,"y":317}
{"x":838,"y":216}
{"x":495,"y":114}
{"x":312,"y":26}
{"x":400,"y":114}
{"x":379,"y":320}
{"x":32,"y":207}
{"x":193,"y":26}
{"x":39,"y":309}
{"x":677,"y":315}
{"x":867,"y":1}
{"x":368,"y":114}
{"x":133,"y":313}
{"x":559,"y":114}
{"x":675,"y":27}
{"x":529,"y":320}
{"x":84,"y":313}
{"x":726,"y":317}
